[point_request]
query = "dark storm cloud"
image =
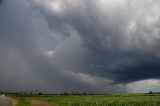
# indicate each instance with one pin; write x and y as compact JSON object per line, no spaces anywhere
{"x":122,"y":39}
{"x":82,"y":45}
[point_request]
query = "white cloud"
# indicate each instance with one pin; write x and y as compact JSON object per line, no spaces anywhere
{"x":56,"y":6}
{"x":144,"y":86}
{"x":50,"y":53}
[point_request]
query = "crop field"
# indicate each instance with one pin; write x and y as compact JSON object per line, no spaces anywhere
{"x":95,"y":100}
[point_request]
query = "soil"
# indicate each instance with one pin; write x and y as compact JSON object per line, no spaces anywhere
{"x":42,"y":103}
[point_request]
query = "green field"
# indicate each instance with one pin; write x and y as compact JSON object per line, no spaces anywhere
{"x":99,"y":100}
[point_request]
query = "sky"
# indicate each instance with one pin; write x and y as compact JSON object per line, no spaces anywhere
{"x":100,"y":46}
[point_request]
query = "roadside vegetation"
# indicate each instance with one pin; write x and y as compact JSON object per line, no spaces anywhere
{"x":20,"y":101}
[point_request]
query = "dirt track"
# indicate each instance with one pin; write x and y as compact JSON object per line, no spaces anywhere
{"x":5,"y":101}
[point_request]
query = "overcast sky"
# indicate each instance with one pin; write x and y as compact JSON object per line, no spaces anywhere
{"x":101,"y":46}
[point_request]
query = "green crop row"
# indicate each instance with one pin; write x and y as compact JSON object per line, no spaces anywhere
{"x":103,"y":100}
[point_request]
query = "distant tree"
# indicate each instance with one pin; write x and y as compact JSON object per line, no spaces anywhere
{"x":40,"y":93}
{"x":66,"y":93}
{"x":84,"y":93}
{"x":77,"y":93}
{"x":150,"y":92}
{"x":1,"y":92}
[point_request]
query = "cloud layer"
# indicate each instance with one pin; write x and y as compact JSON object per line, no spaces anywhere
{"x":82,"y":45}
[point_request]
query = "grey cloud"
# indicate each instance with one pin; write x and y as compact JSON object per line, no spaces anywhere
{"x":57,"y":44}
{"x":25,"y":37}
{"x":123,"y":39}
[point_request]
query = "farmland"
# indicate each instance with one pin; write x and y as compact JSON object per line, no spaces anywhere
{"x":93,"y":100}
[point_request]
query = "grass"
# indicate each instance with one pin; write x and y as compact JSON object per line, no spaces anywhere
{"x":98,"y":100}
{"x":22,"y":101}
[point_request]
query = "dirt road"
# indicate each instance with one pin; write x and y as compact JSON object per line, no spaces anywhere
{"x":5,"y":101}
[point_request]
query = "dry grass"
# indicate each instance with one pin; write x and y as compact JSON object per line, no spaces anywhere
{"x":14,"y":102}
